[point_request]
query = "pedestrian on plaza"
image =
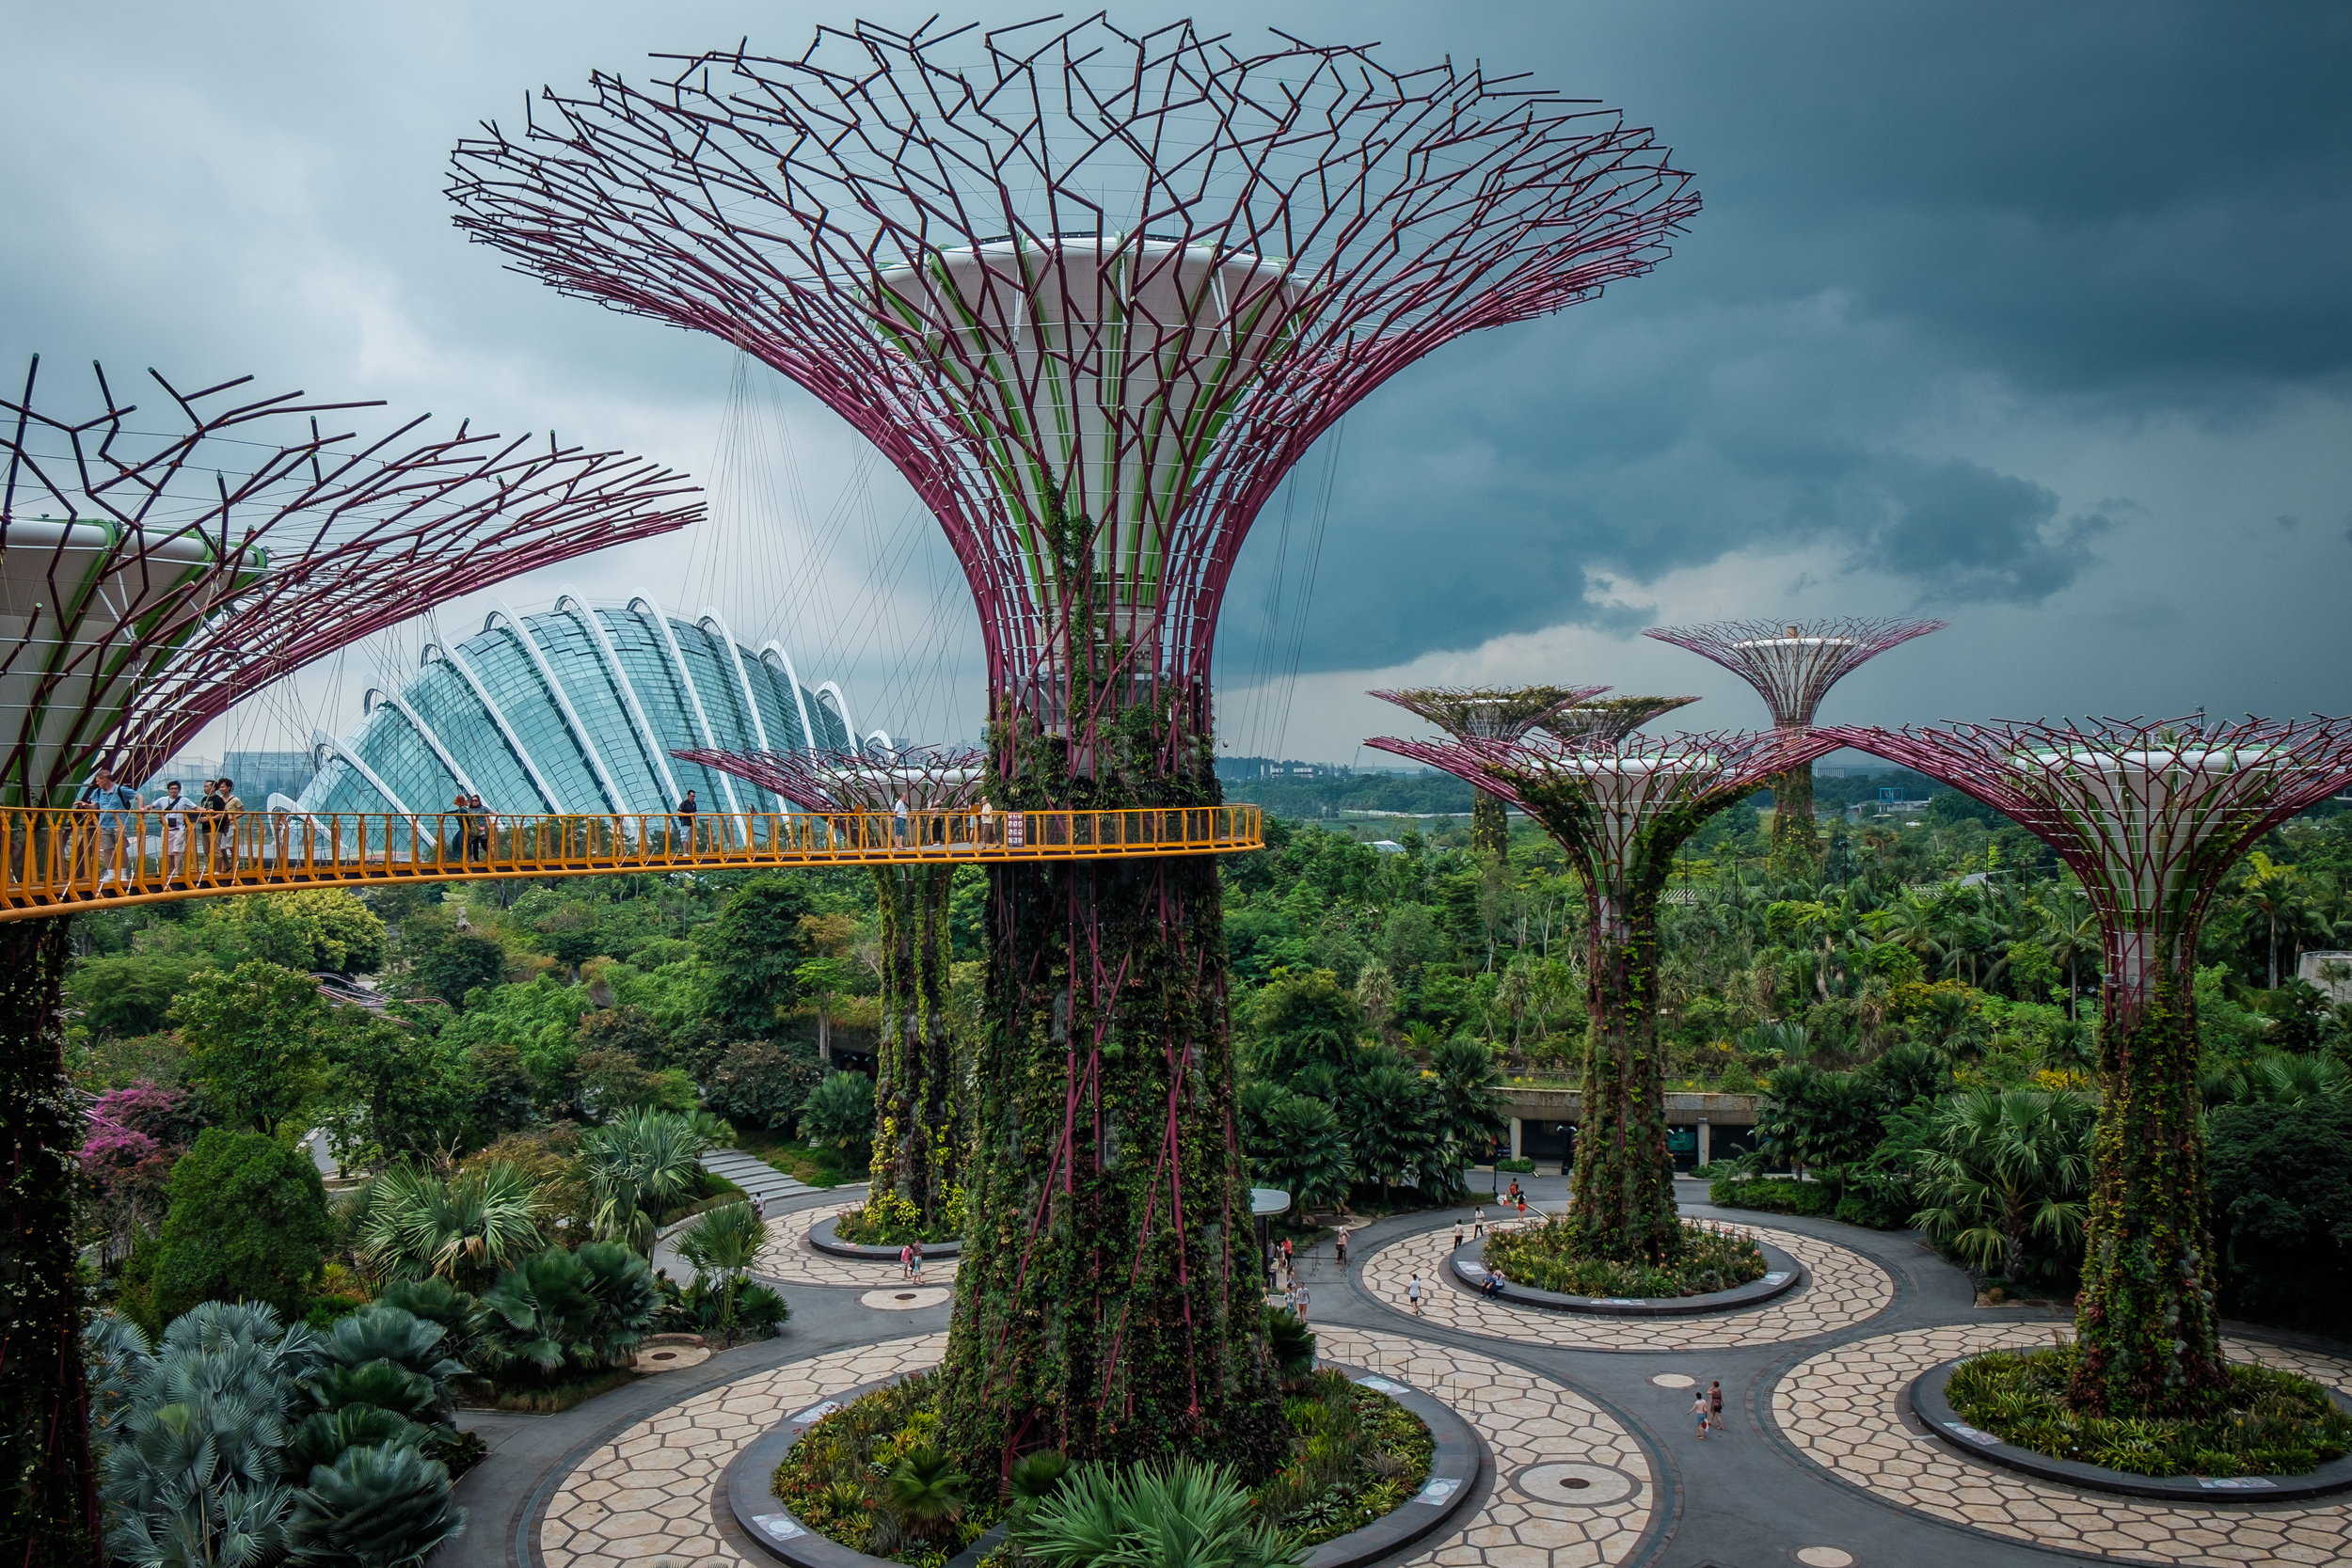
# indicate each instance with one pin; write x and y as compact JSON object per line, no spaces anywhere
{"x":1412,"y":1294}
{"x":1698,"y":1408}
{"x":1522,"y":1206}
{"x":1715,"y":1406}
{"x":1494,"y":1282}
{"x":1478,"y":1220}
{"x":478,"y":828}
{"x":211,"y":814}
{"x":906,"y":1260}
{"x":917,"y":1274}
{"x":1290,"y":1299}
{"x":1458,"y":1235}
{"x":179,"y":813}
{"x":113,"y":805}
{"x":1338,"y":1242}
{"x":1300,"y":1307}
{"x":759,"y":1207}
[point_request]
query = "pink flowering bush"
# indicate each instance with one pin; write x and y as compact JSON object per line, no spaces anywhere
{"x":136,"y":1137}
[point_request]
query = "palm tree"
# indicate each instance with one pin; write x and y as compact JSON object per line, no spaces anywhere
{"x":1300,"y":1148}
{"x":467,"y":1228}
{"x":724,"y":1242}
{"x":643,"y":1161}
{"x":1470,"y":1109}
{"x":927,"y":1490}
{"x":2071,"y":931}
{"x":2006,"y":1166}
{"x":2276,"y":893}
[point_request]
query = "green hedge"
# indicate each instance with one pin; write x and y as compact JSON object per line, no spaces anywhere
{"x":1775,"y":1194}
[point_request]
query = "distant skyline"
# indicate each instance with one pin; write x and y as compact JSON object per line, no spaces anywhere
{"x":2035,"y":319}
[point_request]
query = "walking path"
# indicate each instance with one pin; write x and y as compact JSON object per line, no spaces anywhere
{"x":757,"y":1178}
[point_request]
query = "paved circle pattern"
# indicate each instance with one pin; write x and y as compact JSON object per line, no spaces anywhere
{"x":905,"y":1299}
{"x":1525,"y":1421}
{"x":1577,"y":1486}
{"x":787,"y":1255}
{"x":1845,"y":1289}
{"x":1673,"y":1380}
{"x":647,"y":1494}
{"x":1824,"y":1556}
{"x":1841,"y":1410}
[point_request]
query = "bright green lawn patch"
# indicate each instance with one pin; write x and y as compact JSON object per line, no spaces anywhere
{"x":2266,"y":1422}
{"x":1542,"y":1258}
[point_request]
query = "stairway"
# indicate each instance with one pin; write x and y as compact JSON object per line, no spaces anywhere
{"x":755,"y":1177}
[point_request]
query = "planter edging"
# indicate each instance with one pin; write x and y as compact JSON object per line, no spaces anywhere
{"x":1782,"y":1274}
{"x":824,"y":1239}
{"x":1455,"y":1468}
{"x":1928,"y":1401}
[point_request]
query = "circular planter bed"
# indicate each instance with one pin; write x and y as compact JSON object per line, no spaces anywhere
{"x":1452,"y":1475}
{"x":1928,"y":1401}
{"x":824,"y":1238}
{"x":1782,"y":1274}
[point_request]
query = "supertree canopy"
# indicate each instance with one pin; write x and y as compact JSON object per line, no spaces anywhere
{"x":1600,"y":723}
{"x":1622,"y":814}
{"x":162,"y":562}
{"x":918,"y":1100}
{"x":1489,"y":713}
{"x":2150,"y":816}
{"x":1793,"y":668}
{"x":1093,"y":294}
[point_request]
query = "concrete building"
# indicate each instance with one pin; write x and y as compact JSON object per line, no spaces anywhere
{"x":1699,"y":1127}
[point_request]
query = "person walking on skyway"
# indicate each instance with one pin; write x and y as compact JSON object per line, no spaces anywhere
{"x":686,"y":812}
{"x":113,"y":805}
{"x":477,"y":830}
{"x":460,"y":829}
{"x":179,"y":813}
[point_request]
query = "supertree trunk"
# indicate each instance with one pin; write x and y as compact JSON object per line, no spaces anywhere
{"x":1796,"y":839}
{"x":1490,"y":827}
{"x":53,"y":1503}
{"x":1107,"y":1305}
{"x":1621,"y":1197}
{"x":2145,"y":1321}
{"x":916,"y":1160}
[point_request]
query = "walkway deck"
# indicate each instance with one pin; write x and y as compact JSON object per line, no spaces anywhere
{"x":61,"y":861}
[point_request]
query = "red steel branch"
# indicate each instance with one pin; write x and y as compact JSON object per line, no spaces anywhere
{"x":1230,"y":250}
{"x":245,"y":536}
{"x":2150,"y":815}
{"x":1792,"y":667}
{"x":1489,"y":713}
{"x":1602,"y":723}
{"x":945,"y":778}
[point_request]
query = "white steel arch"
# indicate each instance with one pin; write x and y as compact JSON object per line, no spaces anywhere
{"x":710,"y":618}
{"x":615,"y":801}
{"x":648,"y":738}
{"x":393,"y":701}
{"x":376,"y":779}
{"x":513,"y":741}
{"x":686,"y":680}
{"x":799,"y":697}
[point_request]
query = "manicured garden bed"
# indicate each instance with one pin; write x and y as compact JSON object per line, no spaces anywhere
{"x":1542,"y":1258}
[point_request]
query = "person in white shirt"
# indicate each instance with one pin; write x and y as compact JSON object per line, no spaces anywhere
{"x":179,"y":813}
{"x":1412,"y":1294}
{"x":898,"y":812}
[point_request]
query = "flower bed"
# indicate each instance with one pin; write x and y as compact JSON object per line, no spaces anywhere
{"x":888,"y":1220}
{"x":2265,"y":1423}
{"x":1540,"y":1258}
{"x":1355,"y":1454}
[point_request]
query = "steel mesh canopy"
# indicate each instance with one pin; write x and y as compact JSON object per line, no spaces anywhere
{"x":1502,"y":713}
{"x":1092,"y":293}
{"x":927,"y":778}
{"x":2148,"y":814}
{"x":1792,"y":667}
{"x":1602,"y":723}
{"x":160,"y":564}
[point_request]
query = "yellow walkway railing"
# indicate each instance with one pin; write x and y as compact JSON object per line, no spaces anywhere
{"x":61,"y":860}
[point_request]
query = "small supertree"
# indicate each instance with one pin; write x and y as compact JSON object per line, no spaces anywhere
{"x":1621,"y":814}
{"x":1602,"y":723}
{"x":1489,"y":713}
{"x":163,"y":563}
{"x":1793,"y":668}
{"x":2150,"y":816}
{"x":917,"y":1154}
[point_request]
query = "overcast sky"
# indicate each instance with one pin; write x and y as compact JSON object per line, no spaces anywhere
{"x":2035,"y":318}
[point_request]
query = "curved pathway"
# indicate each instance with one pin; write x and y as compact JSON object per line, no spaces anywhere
{"x":788,"y":1257}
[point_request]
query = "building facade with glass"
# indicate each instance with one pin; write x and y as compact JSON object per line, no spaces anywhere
{"x":577,"y":709}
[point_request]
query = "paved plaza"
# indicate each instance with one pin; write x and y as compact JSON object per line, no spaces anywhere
{"x":1592,"y":1459}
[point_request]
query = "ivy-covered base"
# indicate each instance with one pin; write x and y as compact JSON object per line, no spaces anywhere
{"x":1353,"y":1456}
{"x":2260,"y":1422}
{"x":52,"y":1512}
{"x":1549,"y":1257}
{"x":888,"y":1220}
{"x":1795,"y":850}
{"x":915,"y":1168}
{"x":2146,"y":1326}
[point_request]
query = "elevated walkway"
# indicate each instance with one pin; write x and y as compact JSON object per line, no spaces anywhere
{"x":61,"y":861}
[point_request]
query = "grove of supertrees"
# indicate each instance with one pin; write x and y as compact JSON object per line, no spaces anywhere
{"x":919,"y":1102}
{"x":2150,"y":816}
{"x":1600,"y":723}
{"x":1793,"y":668}
{"x":1489,"y":713}
{"x":1621,"y":812}
{"x":170,"y":553}
{"x":1093,"y":294}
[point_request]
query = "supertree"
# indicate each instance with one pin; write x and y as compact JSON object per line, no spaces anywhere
{"x":163,"y":562}
{"x":2150,"y":816}
{"x":1093,"y":294}
{"x":917,"y":1089}
{"x":1793,"y":668}
{"x":1489,"y":713}
{"x":1601,"y":724}
{"x":1620,"y":813}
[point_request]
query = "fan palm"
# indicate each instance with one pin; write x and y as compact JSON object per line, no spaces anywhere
{"x":1188,"y":1515}
{"x":385,"y":1506}
{"x":2005,"y":1166}
{"x":927,"y":1490}
{"x":465,"y":1228}
{"x":642,"y":1163}
{"x":722,"y":1243}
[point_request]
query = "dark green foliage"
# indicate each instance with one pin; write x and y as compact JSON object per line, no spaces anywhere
{"x":1302,"y":1021}
{"x":395,"y":1092}
{"x":2259,"y":1421}
{"x":839,"y":1112}
{"x":1295,"y":1145}
{"x":2282,"y":1210}
{"x":1195,"y":1515}
{"x":1773,"y":1194}
{"x":256,"y":1041}
{"x":927,"y":1490}
{"x":756,"y":945}
{"x":248,"y":1222}
{"x":763,"y":1083}
{"x":2002,"y":1180}
{"x":128,"y":995}
{"x":323,"y":1435}
{"x":1292,"y":1342}
{"x":586,"y":1309}
{"x":380,"y":1385}
{"x":1354,"y":1455}
{"x":451,"y":963}
{"x":375,"y":1508}
{"x":1545,"y":1258}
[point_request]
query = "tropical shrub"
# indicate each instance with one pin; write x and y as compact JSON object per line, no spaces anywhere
{"x":637,"y":1167}
{"x":1296,"y":1144}
{"x":719,"y":1245}
{"x":584,"y":1310}
{"x":839,"y":1114}
{"x":2005,"y":1181}
{"x":467,"y":1228}
{"x":1545,"y":1258}
{"x":374,"y":1507}
{"x":763,"y":1083}
{"x":2282,"y":1208}
{"x":1188,"y":1513}
{"x":1773,"y":1194}
{"x":248,"y":1222}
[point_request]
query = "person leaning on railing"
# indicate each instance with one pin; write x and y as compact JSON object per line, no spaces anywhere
{"x":477,"y":821}
{"x":103,"y":811}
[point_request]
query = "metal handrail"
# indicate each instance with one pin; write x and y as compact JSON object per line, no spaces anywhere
{"x":81,"y":857}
